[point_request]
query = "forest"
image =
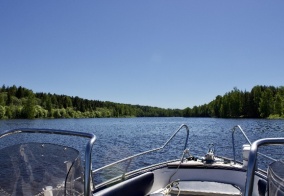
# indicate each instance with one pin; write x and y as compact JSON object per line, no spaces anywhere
{"x":260,"y":102}
{"x":22,"y":103}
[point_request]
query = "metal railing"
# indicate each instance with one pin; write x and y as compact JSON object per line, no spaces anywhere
{"x":233,"y":139}
{"x":252,"y":160}
{"x":88,"y":149}
{"x":146,"y":152}
{"x":238,"y":127}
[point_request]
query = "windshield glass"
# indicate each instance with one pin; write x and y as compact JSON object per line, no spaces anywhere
{"x":40,"y":169}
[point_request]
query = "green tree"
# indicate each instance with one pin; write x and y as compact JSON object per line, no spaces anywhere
{"x":233,"y":102}
{"x":278,"y":104}
{"x":256,"y":93}
{"x":29,"y":107}
{"x":245,"y":107}
{"x":266,"y":103}
{"x":225,"y":107}
{"x":217,"y":106}
{"x":12,"y":90}
{"x":187,"y":112}
{"x":3,"y":99}
{"x":2,"y":112}
{"x":49,"y":106}
{"x":67,"y":102}
{"x":20,"y":93}
{"x":40,"y":112}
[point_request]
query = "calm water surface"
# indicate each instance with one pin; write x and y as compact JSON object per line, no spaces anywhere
{"x":121,"y":137}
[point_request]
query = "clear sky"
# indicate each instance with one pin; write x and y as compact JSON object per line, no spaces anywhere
{"x":164,"y":53}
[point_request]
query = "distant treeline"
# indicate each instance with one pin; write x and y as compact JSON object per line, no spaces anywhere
{"x":19,"y":103}
{"x":260,"y":102}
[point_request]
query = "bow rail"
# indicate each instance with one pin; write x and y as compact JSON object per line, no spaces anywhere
{"x":146,"y":152}
{"x":238,"y":127}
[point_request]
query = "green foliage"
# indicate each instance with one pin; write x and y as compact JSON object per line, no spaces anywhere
{"x":19,"y":102}
{"x":29,"y":109}
{"x":40,"y":112}
{"x":275,"y":116}
{"x":266,"y":103}
{"x":23,"y":103}
{"x":279,"y":104}
{"x":3,"y":98}
{"x":261,"y":102}
{"x":2,"y":112}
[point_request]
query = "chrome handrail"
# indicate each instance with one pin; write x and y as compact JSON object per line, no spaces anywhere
{"x":233,"y":139}
{"x":146,"y":152}
{"x":244,"y":134}
{"x":88,"y":150}
{"x":252,"y":160}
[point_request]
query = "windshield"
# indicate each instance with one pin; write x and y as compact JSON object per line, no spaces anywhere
{"x":40,"y":169}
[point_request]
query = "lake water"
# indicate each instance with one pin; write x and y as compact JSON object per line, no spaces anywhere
{"x":121,"y":137}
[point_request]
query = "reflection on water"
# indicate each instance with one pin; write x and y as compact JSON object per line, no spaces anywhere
{"x":121,"y":137}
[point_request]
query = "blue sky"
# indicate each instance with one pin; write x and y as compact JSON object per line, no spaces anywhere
{"x":170,"y":54}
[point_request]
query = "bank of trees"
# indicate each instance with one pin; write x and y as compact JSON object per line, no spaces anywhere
{"x":19,"y":102}
{"x":260,"y":102}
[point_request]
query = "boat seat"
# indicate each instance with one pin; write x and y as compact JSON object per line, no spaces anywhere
{"x":138,"y":186}
{"x":206,"y":188}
